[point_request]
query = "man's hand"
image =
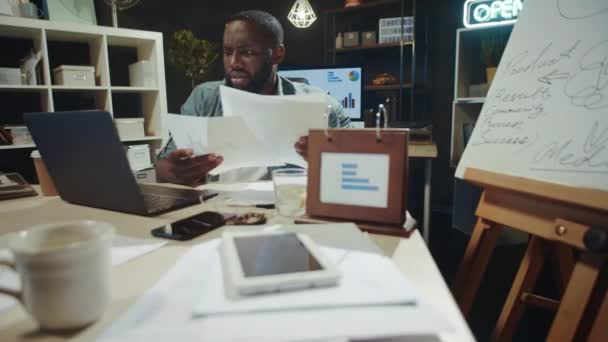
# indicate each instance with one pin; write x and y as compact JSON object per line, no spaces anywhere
{"x":301,"y":147}
{"x":181,"y":168}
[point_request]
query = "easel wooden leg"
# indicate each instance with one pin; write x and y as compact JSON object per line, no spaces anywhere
{"x":599,"y":330}
{"x":474,"y":262}
{"x":563,"y":262}
{"x":524,"y":282}
{"x":574,"y":301}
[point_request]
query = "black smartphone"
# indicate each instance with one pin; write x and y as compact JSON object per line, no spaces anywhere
{"x":191,"y":227}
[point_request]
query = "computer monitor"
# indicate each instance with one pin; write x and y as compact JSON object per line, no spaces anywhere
{"x":345,"y":84}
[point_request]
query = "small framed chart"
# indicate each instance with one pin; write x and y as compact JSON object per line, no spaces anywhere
{"x":358,"y":174}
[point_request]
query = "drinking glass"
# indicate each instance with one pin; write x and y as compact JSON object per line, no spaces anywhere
{"x":290,"y":191}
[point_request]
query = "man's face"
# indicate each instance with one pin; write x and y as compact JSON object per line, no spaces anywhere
{"x":248,"y":59}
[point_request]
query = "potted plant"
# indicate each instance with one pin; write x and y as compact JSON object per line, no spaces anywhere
{"x":492,"y":47}
{"x":194,"y":57}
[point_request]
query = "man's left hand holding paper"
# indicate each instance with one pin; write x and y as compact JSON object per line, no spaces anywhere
{"x":181,"y":167}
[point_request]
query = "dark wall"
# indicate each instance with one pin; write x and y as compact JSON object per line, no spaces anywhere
{"x":304,"y":47}
{"x":206,"y":19}
{"x":445,"y":18}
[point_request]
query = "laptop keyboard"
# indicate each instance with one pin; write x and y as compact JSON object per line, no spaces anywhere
{"x":160,"y":198}
{"x":155,"y":203}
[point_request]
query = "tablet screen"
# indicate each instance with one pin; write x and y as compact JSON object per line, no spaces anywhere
{"x":274,"y":254}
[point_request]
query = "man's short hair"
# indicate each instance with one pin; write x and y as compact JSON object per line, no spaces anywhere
{"x":268,"y":24}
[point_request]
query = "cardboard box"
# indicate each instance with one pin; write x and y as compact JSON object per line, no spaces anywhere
{"x":351,"y":39}
{"x":368,"y":38}
{"x":142,"y":74}
{"x":10,"y":76}
{"x":131,"y":128}
{"x":139,"y":156}
{"x":20,"y":134}
{"x":75,"y":75}
{"x":146,"y":175}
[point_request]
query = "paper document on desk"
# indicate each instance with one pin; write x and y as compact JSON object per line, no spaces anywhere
{"x":277,"y":121}
{"x":124,"y":248}
{"x":367,"y":280}
{"x":165,"y":313}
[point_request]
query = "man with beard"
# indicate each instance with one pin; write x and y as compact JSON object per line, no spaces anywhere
{"x":253,"y":48}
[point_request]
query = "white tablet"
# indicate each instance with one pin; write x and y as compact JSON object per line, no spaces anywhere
{"x":274,"y":261}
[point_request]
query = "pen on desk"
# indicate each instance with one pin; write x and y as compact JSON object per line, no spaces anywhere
{"x":265,"y":206}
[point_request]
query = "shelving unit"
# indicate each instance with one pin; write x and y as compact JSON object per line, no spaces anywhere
{"x":399,"y":59}
{"x":377,"y":46}
{"x":468,"y":71}
{"x":109,"y":50}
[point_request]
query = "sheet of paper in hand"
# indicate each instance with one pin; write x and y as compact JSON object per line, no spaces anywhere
{"x":277,"y":121}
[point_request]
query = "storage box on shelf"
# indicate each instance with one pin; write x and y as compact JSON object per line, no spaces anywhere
{"x":75,"y":75}
{"x":139,"y":156}
{"x":142,"y":74}
{"x":20,"y":135}
{"x":130,"y":128}
{"x":10,"y":76}
{"x":85,"y":45}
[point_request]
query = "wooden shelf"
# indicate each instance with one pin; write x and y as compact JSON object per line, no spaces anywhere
{"x":365,"y":5}
{"x":47,"y":37}
{"x":15,"y":147}
{"x":146,"y":138}
{"x":76,"y":89}
{"x":465,"y":100}
{"x":33,"y":88}
{"x":388,"y":87}
{"x":132,"y":89}
{"x":374,"y":47}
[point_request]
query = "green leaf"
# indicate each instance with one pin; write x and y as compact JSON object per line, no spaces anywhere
{"x":192,"y":56}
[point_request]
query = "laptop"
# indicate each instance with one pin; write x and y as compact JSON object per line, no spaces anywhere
{"x":88,"y":164}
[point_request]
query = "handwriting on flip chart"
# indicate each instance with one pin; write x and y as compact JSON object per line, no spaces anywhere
{"x":546,"y":115}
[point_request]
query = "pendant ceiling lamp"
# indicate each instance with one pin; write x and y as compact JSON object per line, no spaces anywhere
{"x":301,"y":14}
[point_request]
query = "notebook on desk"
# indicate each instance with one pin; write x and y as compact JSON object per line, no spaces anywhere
{"x":87,"y":162}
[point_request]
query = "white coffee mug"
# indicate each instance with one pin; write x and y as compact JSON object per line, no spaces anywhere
{"x":65,"y":272}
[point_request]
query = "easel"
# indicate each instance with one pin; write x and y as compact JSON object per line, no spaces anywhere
{"x":555,"y":216}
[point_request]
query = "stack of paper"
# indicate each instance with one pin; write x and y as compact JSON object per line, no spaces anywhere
{"x":165,"y":312}
{"x":367,"y":280}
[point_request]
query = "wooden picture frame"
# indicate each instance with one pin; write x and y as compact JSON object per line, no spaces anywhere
{"x":391,"y":142}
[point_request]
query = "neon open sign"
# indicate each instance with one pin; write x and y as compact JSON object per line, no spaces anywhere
{"x":491,"y":12}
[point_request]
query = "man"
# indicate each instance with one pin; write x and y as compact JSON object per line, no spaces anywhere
{"x":253,"y":48}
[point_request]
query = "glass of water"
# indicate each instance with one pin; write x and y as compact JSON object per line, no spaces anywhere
{"x":289,"y":191}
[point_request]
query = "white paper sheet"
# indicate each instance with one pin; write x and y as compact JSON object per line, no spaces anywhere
{"x":189,"y":132}
{"x":277,"y":121}
{"x":367,"y":280}
{"x":164,"y":313}
{"x":124,"y":248}
{"x":225,"y":136}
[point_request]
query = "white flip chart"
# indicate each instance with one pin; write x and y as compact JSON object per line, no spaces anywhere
{"x":546,"y":114}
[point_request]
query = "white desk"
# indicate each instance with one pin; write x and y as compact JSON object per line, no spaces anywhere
{"x":131,"y":279}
